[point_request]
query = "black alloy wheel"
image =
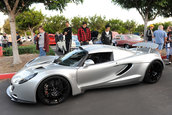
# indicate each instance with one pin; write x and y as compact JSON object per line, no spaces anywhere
{"x":53,"y":90}
{"x":154,"y":72}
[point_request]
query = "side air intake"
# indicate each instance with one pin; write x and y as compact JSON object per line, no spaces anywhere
{"x":125,"y":69}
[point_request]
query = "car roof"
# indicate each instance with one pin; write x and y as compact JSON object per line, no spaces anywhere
{"x":98,"y":48}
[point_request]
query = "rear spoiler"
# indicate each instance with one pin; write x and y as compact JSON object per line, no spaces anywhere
{"x":148,"y":45}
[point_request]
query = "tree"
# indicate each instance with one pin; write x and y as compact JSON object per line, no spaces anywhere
{"x":139,"y":29}
{"x":165,"y":24}
{"x":117,"y":25}
{"x":29,"y":20}
{"x":97,"y":23}
{"x":130,"y":26}
{"x":13,"y":7}
{"x":148,"y":9}
{"x":167,"y":11}
{"x":6,"y":26}
{"x":76,"y":23}
{"x":54,"y":24}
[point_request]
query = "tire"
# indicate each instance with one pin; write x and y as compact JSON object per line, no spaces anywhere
{"x":53,"y":90}
{"x":126,"y":46}
{"x":153,"y":72}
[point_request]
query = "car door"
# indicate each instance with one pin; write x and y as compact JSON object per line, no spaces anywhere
{"x":95,"y":75}
{"x":121,"y":41}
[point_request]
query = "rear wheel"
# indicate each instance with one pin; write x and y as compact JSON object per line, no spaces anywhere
{"x":53,"y":90}
{"x":126,"y":46}
{"x":154,"y":72}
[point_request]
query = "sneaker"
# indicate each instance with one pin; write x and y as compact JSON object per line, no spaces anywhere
{"x":169,"y":63}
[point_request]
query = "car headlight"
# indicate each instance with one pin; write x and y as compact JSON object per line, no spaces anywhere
{"x":20,"y":80}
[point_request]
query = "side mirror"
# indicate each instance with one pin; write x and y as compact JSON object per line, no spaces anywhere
{"x":88,"y":62}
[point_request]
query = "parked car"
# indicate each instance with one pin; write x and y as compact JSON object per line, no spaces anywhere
{"x":51,"y":39}
{"x":75,"y":42}
{"x":61,"y":45}
{"x":29,"y":38}
{"x":23,"y":39}
{"x":127,"y":40}
{"x":51,"y":79}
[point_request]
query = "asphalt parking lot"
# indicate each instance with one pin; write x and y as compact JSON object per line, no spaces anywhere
{"x":140,"y":99}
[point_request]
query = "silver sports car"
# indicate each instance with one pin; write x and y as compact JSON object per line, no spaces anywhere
{"x":52,"y":79}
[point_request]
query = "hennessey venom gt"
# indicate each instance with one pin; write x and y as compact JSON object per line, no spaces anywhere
{"x":52,"y":79}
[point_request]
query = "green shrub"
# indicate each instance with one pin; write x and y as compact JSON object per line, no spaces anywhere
{"x":31,"y":49}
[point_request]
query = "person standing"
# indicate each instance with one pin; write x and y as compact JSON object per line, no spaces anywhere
{"x":18,"y":39}
{"x":1,"y":38}
{"x":106,"y":37}
{"x":68,"y":36}
{"x":57,"y":37}
{"x":149,"y":33}
{"x":42,"y":42}
{"x":160,"y":38}
{"x":169,"y":45}
{"x":5,"y":40}
{"x":34,"y":38}
{"x":9,"y":41}
{"x":84,"y":34}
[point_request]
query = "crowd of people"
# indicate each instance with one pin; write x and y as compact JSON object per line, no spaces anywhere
{"x":162,"y":38}
{"x":6,"y":40}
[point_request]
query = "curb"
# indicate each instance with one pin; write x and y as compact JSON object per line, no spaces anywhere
{"x":6,"y":76}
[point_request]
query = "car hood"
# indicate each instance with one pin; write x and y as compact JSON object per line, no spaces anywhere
{"x":41,"y":60}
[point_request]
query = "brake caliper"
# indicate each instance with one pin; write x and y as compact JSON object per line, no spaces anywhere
{"x":46,"y":90}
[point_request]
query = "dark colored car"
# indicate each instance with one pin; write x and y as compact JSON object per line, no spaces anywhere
{"x":126,"y":40}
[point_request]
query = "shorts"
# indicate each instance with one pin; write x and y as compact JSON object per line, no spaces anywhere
{"x":160,"y":46}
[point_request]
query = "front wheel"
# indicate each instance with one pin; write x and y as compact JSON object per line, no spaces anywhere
{"x":53,"y":90}
{"x":154,"y":72}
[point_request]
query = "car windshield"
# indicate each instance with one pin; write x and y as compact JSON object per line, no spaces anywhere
{"x":72,"y":59}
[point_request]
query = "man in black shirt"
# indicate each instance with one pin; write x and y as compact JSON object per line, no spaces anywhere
{"x":149,"y":33}
{"x":68,"y":36}
{"x":169,"y":44}
{"x":18,"y":39}
{"x":106,"y":37}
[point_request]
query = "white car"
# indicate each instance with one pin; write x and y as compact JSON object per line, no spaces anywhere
{"x":23,"y":39}
{"x":61,"y":45}
{"x":51,"y":79}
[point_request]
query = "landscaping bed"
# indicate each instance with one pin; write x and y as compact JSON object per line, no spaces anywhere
{"x":6,"y":63}
{"x":27,"y":52}
{"x":28,"y":49}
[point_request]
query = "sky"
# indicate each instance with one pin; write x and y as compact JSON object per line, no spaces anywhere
{"x":94,"y":7}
